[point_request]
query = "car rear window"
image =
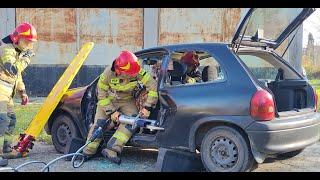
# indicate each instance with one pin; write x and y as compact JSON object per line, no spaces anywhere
{"x":265,"y":67}
{"x":259,"y":67}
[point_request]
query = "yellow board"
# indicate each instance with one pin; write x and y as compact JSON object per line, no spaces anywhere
{"x":59,"y":89}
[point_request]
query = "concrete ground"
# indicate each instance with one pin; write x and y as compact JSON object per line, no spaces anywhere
{"x":142,"y":160}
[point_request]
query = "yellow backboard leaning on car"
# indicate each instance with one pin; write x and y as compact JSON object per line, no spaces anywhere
{"x":60,"y":88}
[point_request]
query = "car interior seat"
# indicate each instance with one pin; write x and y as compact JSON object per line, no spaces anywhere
{"x":209,"y":73}
{"x":177,"y":73}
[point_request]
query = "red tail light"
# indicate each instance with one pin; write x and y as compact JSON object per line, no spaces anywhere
{"x":262,"y":106}
{"x":316,"y":100}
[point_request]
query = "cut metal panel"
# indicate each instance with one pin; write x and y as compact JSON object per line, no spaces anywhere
{"x":56,"y":30}
{"x":184,"y":25}
{"x":112,"y":30}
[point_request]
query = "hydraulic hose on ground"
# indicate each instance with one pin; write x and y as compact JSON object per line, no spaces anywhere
{"x":47,"y":166}
{"x":73,"y":160}
{"x":134,"y":121}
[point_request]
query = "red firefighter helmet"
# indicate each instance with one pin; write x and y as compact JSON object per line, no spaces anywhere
{"x":127,"y":63}
{"x":24,"y":31}
{"x":190,"y":58}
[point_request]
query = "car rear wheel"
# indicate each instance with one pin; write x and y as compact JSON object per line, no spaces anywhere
{"x":63,"y":129}
{"x":224,"y":149}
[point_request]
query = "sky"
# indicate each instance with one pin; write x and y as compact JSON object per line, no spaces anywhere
{"x":312,"y":24}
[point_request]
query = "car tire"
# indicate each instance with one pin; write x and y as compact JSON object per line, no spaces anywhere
{"x":224,"y":149}
{"x":63,"y":129}
{"x":289,"y":155}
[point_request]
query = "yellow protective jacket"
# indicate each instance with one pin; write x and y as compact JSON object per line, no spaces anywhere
{"x":11,"y":83}
{"x":112,"y":87}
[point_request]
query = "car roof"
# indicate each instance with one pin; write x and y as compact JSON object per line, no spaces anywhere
{"x":173,"y":47}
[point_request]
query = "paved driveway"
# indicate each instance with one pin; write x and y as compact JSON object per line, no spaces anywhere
{"x":142,"y":160}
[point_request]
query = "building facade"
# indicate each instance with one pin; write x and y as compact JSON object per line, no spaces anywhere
{"x":61,"y":33}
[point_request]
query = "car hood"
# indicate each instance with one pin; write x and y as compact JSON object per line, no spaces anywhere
{"x":252,"y":28}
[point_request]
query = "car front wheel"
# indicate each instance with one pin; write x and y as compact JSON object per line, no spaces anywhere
{"x":63,"y":129}
{"x":224,"y":149}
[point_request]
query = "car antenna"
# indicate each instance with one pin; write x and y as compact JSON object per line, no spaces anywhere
{"x":291,"y":41}
{"x":244,"y":31}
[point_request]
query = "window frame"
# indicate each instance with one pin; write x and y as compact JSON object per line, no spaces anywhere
{"x":267,"y":52}
{"x":164,"y":55}
{"x":166,"y":65}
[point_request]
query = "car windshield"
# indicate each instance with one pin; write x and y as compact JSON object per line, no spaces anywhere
{"x":263,"y":18}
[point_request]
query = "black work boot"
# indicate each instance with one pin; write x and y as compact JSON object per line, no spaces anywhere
{"x":3,"y":162}
{"x":111,"y":155}
{"x":6,"y":147}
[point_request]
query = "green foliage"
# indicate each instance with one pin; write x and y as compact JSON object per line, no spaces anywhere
{"x":25,"y":115}
{"x":316,"y":84}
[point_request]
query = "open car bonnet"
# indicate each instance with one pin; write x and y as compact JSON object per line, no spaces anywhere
{"x":256,"y":29}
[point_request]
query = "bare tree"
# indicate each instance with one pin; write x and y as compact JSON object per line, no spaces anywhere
{"x":314,"y":21}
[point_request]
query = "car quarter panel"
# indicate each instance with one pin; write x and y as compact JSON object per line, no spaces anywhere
{"x":285,"y":134}
{"x":71,"y":105}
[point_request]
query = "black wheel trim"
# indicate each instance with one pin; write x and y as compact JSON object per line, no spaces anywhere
{"x":63,"y":134}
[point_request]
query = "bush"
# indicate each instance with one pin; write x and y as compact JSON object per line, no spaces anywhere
{"x":313,"y":72}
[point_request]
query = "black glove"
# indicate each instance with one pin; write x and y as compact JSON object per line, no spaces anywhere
{"x":28,"y":54}
{"x":11,"y":68}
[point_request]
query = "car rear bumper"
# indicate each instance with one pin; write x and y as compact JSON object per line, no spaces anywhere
{"x":284,"y":134}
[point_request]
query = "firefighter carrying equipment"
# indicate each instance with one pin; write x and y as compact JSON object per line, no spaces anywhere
{"x":13,"y":61}
{"x":37,"y":124}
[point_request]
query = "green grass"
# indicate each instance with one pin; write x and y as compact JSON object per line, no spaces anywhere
{"x":316,"y":84}
{"x":25,"y":114}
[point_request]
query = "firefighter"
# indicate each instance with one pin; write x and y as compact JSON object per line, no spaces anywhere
{"x":191,"y":60}
{"x":115,"y":96}
{"x":15,"y":54}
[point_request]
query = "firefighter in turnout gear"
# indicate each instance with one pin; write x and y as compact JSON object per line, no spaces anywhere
{"x":115,"y":96}
{"x":15,"y":54}
{"x":191,"y":60}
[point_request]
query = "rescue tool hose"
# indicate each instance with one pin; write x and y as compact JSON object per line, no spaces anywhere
{"x":134,"y":121}
{"x":73,"y":160}
{"x":97,"y":133}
